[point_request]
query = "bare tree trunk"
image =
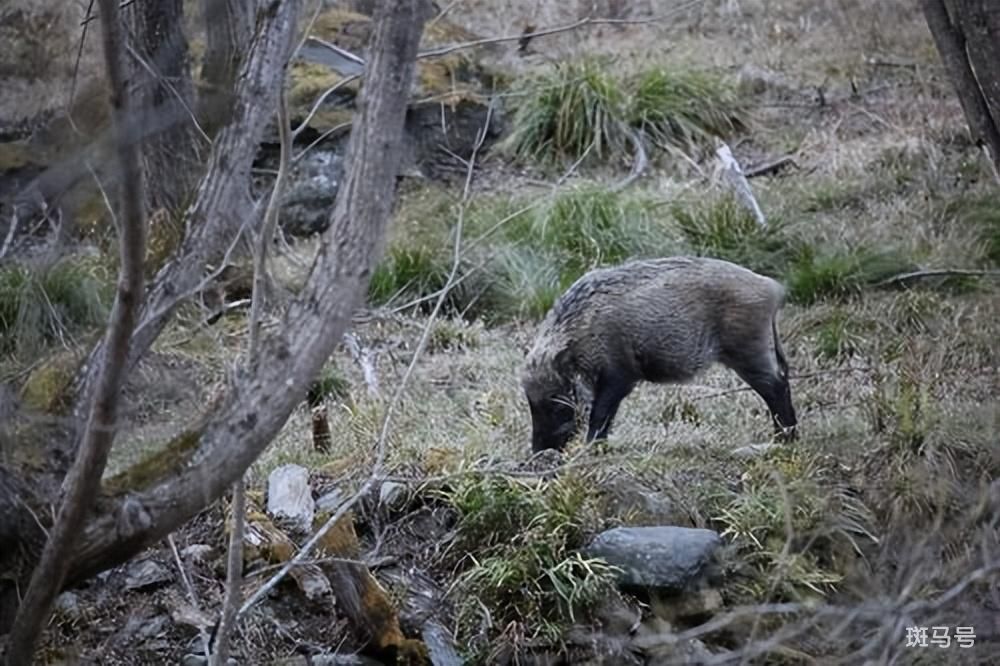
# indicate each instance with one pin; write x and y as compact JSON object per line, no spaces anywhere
{"x":966,"y":33}
{"x":84,"y":479}
{"x":163,"y":94}
{"x":228,"y":29}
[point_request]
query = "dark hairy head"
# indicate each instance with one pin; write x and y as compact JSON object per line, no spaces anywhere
{"x":552,"y":400}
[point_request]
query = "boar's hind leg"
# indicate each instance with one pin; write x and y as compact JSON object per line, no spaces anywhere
{"x":608,"y":395}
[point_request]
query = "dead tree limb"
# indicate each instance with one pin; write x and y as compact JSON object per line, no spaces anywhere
{"x":223,"y":207}
{"x":84,"y":479}
{"x":733,"y":174}
{"x":771,"y":167}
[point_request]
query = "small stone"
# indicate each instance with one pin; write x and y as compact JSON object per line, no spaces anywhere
{"x":146,"y":574}
{"x":392,"y":495}
{"x":68,"y":604}
{"x":753,"y":450}
{"x":198,"y":552}
{"x":666,"y":557}
{"x":289,"y":496}
{"x":329,"y":502}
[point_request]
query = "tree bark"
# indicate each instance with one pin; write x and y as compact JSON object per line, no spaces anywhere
{"x":228,"y":30}
{"x":163,"y":95}
{"x":84,"y":479}
{"x":965,"y":32}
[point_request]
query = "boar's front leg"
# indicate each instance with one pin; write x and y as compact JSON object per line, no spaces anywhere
{"x":609,"y":392}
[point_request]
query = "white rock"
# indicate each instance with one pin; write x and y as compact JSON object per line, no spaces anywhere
{"x":289,"y":496}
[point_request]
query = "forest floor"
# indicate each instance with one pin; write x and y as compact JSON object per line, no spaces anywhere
{"x":884,"y":499}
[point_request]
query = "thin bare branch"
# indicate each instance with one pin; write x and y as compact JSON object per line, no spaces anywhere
{"x":576,"y":25}
{"x":903,"y":278}
{"x":191,"y":592}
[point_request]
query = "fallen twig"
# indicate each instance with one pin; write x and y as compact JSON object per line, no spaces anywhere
{"x":192,"y":594}
{"x":903,"y":278}
{"x":771,"y":167}
{"x":638,"y":165}
{"x":733,"y":174}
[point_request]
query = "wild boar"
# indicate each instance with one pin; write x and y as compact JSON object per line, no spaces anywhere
{"x":658,"y":320}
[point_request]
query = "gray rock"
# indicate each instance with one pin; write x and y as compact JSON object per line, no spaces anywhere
{"x":67,"y":604}
{"x":289,"y":497}
{"x":312,"y":188}
{"x":146,"y":574}
{"x":198,"y":552}
{"x":670,"y":558}
{"x":392,"y":495}
{"x":330,"y":501}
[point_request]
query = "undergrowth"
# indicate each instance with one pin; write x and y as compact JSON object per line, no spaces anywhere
{"x":41,"y":305}
{"x":523,"y":574}
{"x":584,"y":108}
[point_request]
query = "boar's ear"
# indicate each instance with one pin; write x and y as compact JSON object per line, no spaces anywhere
{"x":563,"y":362}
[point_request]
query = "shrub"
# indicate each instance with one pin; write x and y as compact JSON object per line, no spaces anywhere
{"x":522,"y":540}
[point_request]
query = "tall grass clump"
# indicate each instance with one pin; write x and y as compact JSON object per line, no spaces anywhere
{"x":584,"y":107}
{"x":724,"y":229}
{"x":982,"y":215}
{"x":593,"y":225}
{"x":41,"y":305}
{"x":522,"y":565}
{"x":795,"y":525}
{"x":562,"y":114}
{"x":684,"y":109}
{"x":840,"y":274}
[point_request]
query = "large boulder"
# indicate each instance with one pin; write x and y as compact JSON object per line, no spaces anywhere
{"x":665,"y":558}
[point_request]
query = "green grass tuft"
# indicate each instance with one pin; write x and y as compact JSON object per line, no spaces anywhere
{"x":42,"y":305}
{"x":584,"y":108}
{"x":840,"y":274}
{"x":523,"y":564}
{"x":726,"y":230}
{"x":562,"y":114}
{"x":791,"y":522}
{"x":981,"y":213}
{"x":685,"y":109}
